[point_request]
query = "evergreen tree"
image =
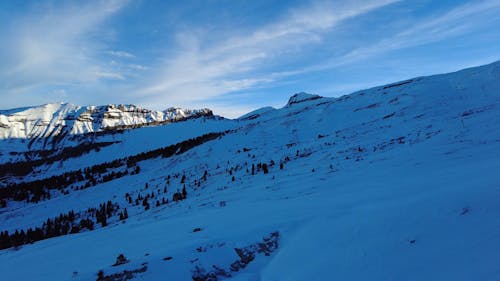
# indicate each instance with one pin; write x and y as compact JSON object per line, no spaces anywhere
{"x":184,"y":192}
{"x":264,"y":168}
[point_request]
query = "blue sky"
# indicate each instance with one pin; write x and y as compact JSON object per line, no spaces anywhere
{"x":231,"y":56}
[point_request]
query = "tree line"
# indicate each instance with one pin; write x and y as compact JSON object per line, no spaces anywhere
{"x":37,"y":190}
{"x":64,"y":224}
{"x":23,"y":168}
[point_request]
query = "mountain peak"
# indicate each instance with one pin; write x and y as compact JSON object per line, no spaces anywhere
{"x":301,"y":97}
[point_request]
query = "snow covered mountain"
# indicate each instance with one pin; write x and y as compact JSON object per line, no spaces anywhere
{"x":397,"y":182}
{"x":55,"y":119}
{"x":53,"y":127}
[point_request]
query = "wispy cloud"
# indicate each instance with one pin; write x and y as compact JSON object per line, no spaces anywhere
{"x":202,"y":69}
{"x":55,"y":45}
{"x":462,"y":20}
{"x":109,"y":75}
{"x":137,"y":67}
{"x":121,"y":54}
{"x":459,"y":21}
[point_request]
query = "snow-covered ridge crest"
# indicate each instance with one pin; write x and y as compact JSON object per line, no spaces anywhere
{"x":55,"y":119}
{"x":301,"y":97}
{"x":257,"y":113}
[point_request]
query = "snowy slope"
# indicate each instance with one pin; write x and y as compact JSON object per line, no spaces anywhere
{"x":397,"y":182}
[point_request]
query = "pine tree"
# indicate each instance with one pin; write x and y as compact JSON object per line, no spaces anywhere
{"x":184,"y":192}
{"x":104,"y":221}
{"x":264,"y":168}
{"x":100,"y":275}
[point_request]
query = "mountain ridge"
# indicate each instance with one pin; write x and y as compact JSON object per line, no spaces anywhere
{"x":53,"y":119}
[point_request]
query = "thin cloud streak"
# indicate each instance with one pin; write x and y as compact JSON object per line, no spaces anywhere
{"x":109,"y":75}
{"x":199,"y":73}
{"x":55,"y":46}
{"x":121,"y":54}
{"x":456,"y":22}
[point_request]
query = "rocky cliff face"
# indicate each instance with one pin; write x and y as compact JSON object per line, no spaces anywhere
{"x":56,"y":119}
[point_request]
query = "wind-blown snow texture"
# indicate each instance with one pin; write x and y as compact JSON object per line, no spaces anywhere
{"x":398,"y":182}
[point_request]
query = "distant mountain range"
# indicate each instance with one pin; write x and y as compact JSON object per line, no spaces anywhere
{"x":54,"y":119}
